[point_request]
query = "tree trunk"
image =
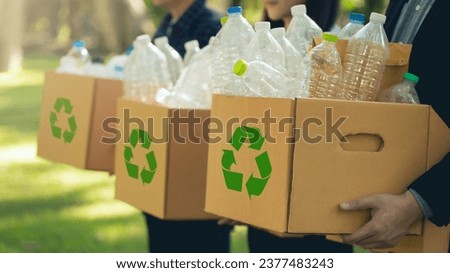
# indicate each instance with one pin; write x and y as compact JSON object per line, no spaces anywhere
{"x":11,"y":31}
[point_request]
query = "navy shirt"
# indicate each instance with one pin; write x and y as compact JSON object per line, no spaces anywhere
{"x":197,"y":23}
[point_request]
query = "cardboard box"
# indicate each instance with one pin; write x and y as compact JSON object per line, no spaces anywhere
{"x":303,"y":183}
{"x":164,"y":173}
{"x":73,"y":110}
{"x":433,"y":240}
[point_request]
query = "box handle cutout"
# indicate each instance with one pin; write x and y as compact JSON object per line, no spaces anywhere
{"x":362,"y":142}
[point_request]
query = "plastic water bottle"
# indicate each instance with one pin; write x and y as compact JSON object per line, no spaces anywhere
{"x":97,"y":68}
{"x":235,"y":36}
{"x":261,"y":79}
{"x":174,"y":60}
{"x":193,"y":89}
{"x":265,"y":47}
{"x":192,"y":48}
{"x":145,"y":71}
{"x":326,"y":69}
{"x":367,"y":53}
{"x":354,"y":25}
{"x":404,"y":92}
{"x":302,"y":29}
{"x":116,"y":64}
{"x":293,"y":58}
{"x":75,"y":60}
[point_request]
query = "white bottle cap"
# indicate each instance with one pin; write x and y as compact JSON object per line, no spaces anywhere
{"x":374,"y":16}
{"x":161,"y":41}
{"x":278,"y":32}
{"x":259,"y":26}
{"x":298,"y":10}
{"x":191,"y":45}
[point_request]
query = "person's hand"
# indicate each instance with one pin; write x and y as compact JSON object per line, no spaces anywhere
{"x":392,"y":215}
{"x":229,"y":222}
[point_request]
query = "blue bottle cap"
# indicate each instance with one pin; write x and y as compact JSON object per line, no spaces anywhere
{"x":235,"y":9}
{"x":78,"y":44}
{"x":357,"y":17}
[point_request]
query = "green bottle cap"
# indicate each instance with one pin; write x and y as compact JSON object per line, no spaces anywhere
{"x":223,"y":20}
{"x":330,"y":37}
{"x":411,"y":77}
{"x":240,"y":67}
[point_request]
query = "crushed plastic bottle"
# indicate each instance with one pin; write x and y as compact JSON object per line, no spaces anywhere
{"x":75,"y":61}
{"x":236,"y":34}
{"x":174,"y":60}
{"x":116,"y":64}
{"x":354,"y":25}
{"x":264,"y":47}
{"x":367,"y":54}
{"x":302,"y":29}
{"x":404,"y":92}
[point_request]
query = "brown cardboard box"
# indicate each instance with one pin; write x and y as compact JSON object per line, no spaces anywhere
{"x":433,"y":240}
{"x":162,"y":175}
{"x":73,"y":110}
{"x":395,"y":143}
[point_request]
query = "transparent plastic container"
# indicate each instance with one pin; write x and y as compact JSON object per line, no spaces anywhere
{"x":192,"y":48}
{"x":174,"y":60}
{"x":292,"y":56}
{"x":326,"y":69}
{"x":262,"y":80}
{"x":264,"y":47}
{"x":404,"y":92}
{"x":236,"y":34}
{"x":354,"y":25}
{"x":75,"y":61}
{"x":302,"y":29}
{"x":367,"y":54}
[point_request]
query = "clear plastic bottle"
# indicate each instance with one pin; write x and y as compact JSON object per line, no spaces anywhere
{"x":326,"y":69}
{"x":302,"y":29}
{"x":235,"y":36}
{"x":293,"y":58}
{"x":265,"y":47}
{"x":75,"y":60}
{"x":354,"y":25}
{"x":261,"y":79}
{"x":367,"y":53}
{"x":174,"y":60}
{"x":404,"y":92}
{"x":116,"y":64}
{"x":97,"y":68}
{"x":145,"y":71}
{"x":194,"y":88}
{"x":192,"y":48}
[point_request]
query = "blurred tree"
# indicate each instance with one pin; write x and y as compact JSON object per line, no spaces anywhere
{"x":12,"y":18}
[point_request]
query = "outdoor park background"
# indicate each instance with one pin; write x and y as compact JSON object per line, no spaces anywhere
{"x":51,"y":207}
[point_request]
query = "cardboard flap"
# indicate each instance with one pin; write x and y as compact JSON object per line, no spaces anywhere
{"x":438,"y":139}
{"x":399,"y":54}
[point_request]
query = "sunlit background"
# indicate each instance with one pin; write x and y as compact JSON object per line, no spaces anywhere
{"x":50,"y":207}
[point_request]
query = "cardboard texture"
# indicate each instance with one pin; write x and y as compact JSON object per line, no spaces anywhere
{"x":434,"y":240}
{"x":391,"y":145}
{"x":73,"y":109}
{"x":176,"y":188}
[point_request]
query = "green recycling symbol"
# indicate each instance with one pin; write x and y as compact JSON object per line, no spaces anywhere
{"x":147,"y":173}
{"x":234,"y":180}
{"x":68,"y":134}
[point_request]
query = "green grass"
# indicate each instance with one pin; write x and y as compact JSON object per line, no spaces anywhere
{"x":49,"y":207}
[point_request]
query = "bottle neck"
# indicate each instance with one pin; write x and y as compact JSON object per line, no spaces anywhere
{"x":410,"y":83}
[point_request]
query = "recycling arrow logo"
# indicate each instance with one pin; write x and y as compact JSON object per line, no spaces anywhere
{"x":148,"y":172}
{"x":255,"y":184}
{"x":68,"y":134}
